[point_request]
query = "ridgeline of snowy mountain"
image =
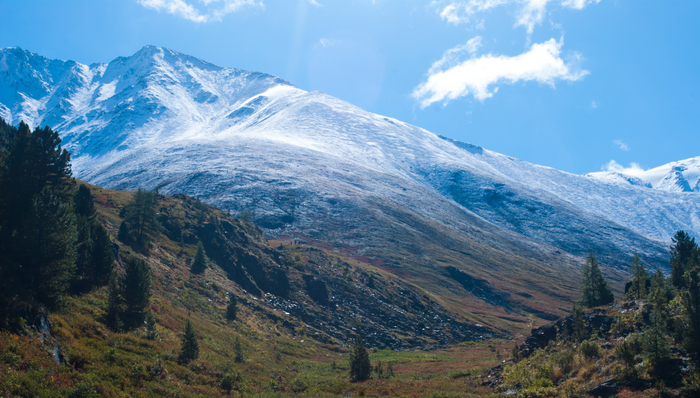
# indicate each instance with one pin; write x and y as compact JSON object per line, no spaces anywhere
{"x":308,"y":163}
{"x":680,"y":176}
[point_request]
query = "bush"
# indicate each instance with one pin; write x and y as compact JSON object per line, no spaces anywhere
{"x":231,"y":381}
{"x":589,"y":349}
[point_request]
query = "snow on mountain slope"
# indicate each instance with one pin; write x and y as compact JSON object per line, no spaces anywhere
{"x":680,"y":176}
{"x":310,"y":163}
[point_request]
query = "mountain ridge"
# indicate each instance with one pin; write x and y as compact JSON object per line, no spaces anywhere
{"x":321,"y":170}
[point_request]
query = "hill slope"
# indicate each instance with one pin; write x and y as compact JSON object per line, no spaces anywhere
{"x":322,"y":171}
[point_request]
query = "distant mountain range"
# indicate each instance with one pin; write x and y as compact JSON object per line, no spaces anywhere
{"x":312,"y":167}
{"x":681,"y":176}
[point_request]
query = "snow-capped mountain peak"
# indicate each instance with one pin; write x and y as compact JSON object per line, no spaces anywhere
{"x":679,"y":176}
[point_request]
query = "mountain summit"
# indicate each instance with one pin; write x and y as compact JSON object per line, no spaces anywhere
{"x":315,"y":168}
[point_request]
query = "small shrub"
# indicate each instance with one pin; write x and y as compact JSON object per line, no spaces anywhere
{"x":589,"y":349}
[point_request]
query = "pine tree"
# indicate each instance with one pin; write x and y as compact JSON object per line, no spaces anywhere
{"x":200,"y":260}
{"x":37,"y":225}
{"x":656,"y":346}
{"x":360,"y":367}
{"x":94,"y":260}
{"x":691,"y":307}
{"x":115,"y":303}
{"x":136,"y":290}
{"x":660,"y":292}
{"x":594,"y":289}
{"x":231,"y":310}
{"x":238,"y":355}
{"x":102,"y":255}
{"x":189,"y":350}
{"x":140,"y":219}
{"x":684,"y":249}
{"x":638,"y":288}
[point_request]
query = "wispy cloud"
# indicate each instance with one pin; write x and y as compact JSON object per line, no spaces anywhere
{"x":315,"y":3}
{"x":594,"y":104}
{"x":634,"y":169}
{"x":449,"y":79}
{"x":529,"y":14}
{"x":212,"y":10}
{"x":621,"y":145}
{"x":325,"y":42}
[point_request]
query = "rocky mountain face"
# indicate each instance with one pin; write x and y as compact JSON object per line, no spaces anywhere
{"x":314,"y":168}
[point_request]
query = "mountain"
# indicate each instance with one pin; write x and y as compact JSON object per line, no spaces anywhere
{"x":489,"y":236}
{"x":680,"y":176}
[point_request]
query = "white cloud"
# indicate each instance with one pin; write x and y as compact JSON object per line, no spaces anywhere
{"x":634,"y":169}
{"x":448,"y":79}
{"x":594,"y":104}
{"x":530,"y":13}
{"x":214,"y":10}
{"x":315,"y":3}
{"x":621,"y":145}
{"x":324,"y":42}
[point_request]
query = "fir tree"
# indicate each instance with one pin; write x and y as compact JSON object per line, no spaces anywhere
{"x":691,"y":308}
{"x":594,"y":289}
{"x":660,"y":291}
{"x":638,"y":288}
{"x":189,"y":350}
{"x":231,"y":310}
{"x":140,"y":219}
{"x":94,"y":260}
{"x":200,"y":260}
{"x":656,"y":346}
{"x":360,"y":367}
{"x":102,"y":255}
{"x":136,"y":291}
{"x":684,"y":249}
{"x":238,"y":355}
{"x":115,"y":303}
{"x":37,"y":224}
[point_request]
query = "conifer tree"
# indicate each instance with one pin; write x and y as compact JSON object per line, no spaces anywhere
{"x":231,"y":310}
{"x":691,"y":307}
{"x":656,"y":346}
{"x":200,"y":260}
{"x":594,"y":289}
{"x":115,"y":303}
{"x":684,"y":249}
{"x":360,"y":367}
{"x":189,"y":350}
{"x":37,"y":225}
{"x":141,"y":221}
{"x":638,"y":289}
{"x":238,"y":355}
{"x":136,"y":291}
{"x":94,"y":260}
{"x":660,"y":291}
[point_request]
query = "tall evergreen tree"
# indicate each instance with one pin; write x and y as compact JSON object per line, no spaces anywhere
{"x":684,"y":249}
{"x":189,"y":349}
{"x":140,"y":220}
{"x":638,"y":288}
{"x":200,"y":260}
{"x":231,"y":310}
{"x":115,"y":303}
{"x":656,"y":346}
{"x":37,"y":225}
{"x":136,"y":291}
{"x":360,"y":367}
{"x":94,"y":260}
{"x":691,"y":306}
{"x":594,"y":289}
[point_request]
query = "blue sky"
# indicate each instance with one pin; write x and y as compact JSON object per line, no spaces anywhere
{"x":571,"y":84}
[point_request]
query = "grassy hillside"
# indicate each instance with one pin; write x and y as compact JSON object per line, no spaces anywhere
{"x":293,"y":341}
